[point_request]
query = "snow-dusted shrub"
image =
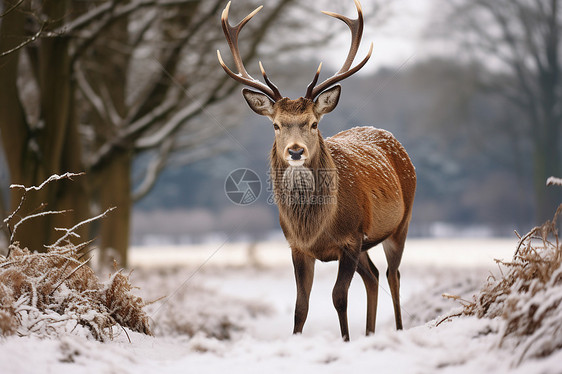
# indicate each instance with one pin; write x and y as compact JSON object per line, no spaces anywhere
{"x":527,"y":295}
{"x":54,"y":293}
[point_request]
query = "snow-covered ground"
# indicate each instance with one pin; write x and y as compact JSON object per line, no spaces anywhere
{"x":220,"y":314}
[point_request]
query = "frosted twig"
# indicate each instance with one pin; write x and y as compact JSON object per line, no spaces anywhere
{"x":456,"y":298}
{"x":447,"y":318}
{"x":71,"y":234}
{"x":70,"y":231}
{"x":530,"y":234}
{"x":25,"y":42}
{"x":553,"y":181}
{"x":54,"y":177}
{"x":27,"y":218}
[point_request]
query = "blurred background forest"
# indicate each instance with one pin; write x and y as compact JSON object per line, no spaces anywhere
{"x":131,"y":93}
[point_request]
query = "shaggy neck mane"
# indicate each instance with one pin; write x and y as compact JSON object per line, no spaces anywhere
{"x":305,"y":196}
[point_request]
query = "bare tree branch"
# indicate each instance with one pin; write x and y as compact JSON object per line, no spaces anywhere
{"x":24,"y":43}
{"x":89,"y":93}
{"x":155,"y":166}
{"x":70,"y":231}
{"x":99,"y":12}
{"x":11,"y":9}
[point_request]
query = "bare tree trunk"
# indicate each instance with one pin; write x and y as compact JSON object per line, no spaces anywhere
{"x":115,"y":191}
{"x":13,"y":124}
{"x":92,"y":42}
{"x":110,"y":57}
{"x":73,"y":194}
{"x":50,"y":147}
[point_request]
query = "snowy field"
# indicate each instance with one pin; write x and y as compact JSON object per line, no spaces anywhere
{"x":222,"y":312}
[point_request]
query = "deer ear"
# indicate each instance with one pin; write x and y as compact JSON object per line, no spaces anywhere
{"x":327,"y":100}
{"x":260,"y":103}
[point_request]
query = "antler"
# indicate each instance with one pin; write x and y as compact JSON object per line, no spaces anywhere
{"x":231,"y":34}
{"x":356,"y":27}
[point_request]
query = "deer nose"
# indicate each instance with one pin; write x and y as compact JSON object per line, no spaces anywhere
{"x":296,"y":155}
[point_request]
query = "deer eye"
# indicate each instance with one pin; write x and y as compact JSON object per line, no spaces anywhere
{"x":276,"y":126}
{"x":314,"y":126}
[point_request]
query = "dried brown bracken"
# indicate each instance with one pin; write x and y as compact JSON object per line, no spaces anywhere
{"x":527,"y":295}
{"x":48,"y":294}
{"x":54,"y":293}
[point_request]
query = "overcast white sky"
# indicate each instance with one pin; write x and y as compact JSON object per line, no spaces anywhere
{"x":398,"y":39}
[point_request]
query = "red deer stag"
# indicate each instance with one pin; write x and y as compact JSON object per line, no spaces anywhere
{"x":337,"y":197}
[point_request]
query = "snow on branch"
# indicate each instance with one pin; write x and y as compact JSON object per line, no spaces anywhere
{"x":54,"y":177}
{"x":110,"y":7}
{"x":25,"y":42}
{"x":170,"y":127}
{"x":110,"y":108}
{"x":132,"y":131}
{"x":202,"y":153}
{"x":27,"y":218}
{"x":89,"y":92}
{"x":153,"y":169}
{"x":138,"y":126}
{"x":103,"y":103}
{"x":70,"y":231}
{"x":553,"y":181}
{"x":67,"y":231}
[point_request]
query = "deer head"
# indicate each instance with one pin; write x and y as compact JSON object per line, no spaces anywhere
{"x":295,"y":121}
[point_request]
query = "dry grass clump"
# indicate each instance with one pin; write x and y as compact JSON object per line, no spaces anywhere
{"x":527,"y":295}
{"x":54,"y":293}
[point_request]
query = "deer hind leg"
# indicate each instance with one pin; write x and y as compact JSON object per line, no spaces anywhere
{"x":370,"y":275}
{"x":346,"y":269}
{"x":304,"y":274}
{"x":393,"y":249}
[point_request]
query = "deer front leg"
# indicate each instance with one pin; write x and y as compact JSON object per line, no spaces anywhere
{"x":347,"y":267}
{"x":304,"y":274}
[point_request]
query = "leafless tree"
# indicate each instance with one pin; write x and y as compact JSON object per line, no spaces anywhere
{"x":521,"y":39}
{"x":90,"y":85}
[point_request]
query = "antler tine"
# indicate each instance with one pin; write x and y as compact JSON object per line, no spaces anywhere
{"x":341,"y":76}
{"x":356,"y":28}
{"x":311,"y":85}
{"x":268,"y":82}
{"x":231,"y":33}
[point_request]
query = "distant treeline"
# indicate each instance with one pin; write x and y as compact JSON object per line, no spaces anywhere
{"x":468,"y":144}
